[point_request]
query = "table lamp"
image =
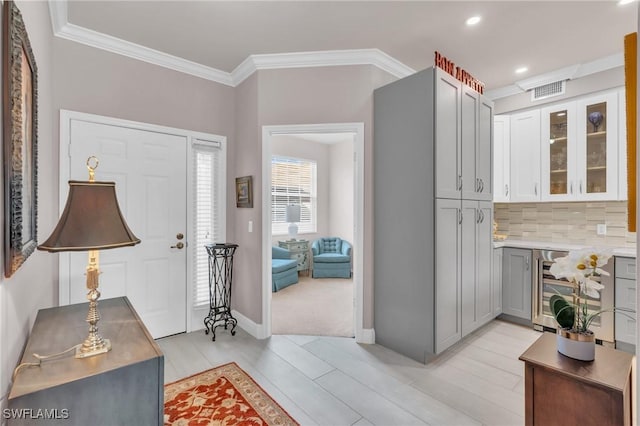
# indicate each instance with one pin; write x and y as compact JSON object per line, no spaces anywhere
{"x":91,"y":221}
{"x":292,"y":215}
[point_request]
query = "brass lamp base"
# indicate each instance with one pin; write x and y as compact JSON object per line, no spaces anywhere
{"x":86,"y":351}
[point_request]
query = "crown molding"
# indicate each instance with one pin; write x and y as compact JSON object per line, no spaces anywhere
{"x":58,"y":9}
{"x":325,"y":58}
{"x":142,"y":53}
{"x":59,"y":15}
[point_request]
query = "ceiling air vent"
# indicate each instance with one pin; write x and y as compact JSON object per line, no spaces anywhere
{"x":548,"y":90}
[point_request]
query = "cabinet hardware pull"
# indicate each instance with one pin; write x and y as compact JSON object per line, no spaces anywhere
{"x":571,"y":187}
{"x":481,"y":185}
{"x":581,"y":186}
{"x":527,"y":258}
{"x":481,"y":216}
{"x":535,"y":188}
{"x":506,"y":190}
{"x":477,"y":184}
{"x":477,"y":215}
{"x":460,"y":217}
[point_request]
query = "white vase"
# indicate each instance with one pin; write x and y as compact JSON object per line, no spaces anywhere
{"x":576,"y":345}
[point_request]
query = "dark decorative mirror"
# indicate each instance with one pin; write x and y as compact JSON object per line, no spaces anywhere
{"x":20,"y":125}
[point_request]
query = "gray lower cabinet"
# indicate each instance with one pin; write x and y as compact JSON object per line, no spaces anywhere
{"x":625,"y":297}
{"x":516,"y":283}
{"x":496,"y":290}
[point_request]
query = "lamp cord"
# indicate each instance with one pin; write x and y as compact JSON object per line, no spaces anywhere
{"x":41,"y":358}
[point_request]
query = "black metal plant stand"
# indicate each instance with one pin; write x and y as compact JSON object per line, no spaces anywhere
{"x":220,"y":279}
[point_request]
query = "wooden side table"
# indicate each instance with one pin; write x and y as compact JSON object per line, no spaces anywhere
{"x":300,"y":251}
{"x":559,"y":389}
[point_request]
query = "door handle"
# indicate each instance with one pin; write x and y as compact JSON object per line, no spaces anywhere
{"x":179,"y":246}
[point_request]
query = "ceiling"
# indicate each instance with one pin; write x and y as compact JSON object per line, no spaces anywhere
{"x":542,"y":35}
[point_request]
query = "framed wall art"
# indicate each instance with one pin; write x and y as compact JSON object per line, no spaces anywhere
{"x":244,"y":191}
{"x":20,"y":124}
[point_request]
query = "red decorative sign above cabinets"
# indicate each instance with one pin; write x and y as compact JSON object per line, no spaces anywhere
{"x":458,"y":73}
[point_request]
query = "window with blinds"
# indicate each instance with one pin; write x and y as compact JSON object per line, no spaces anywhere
{"x":208,"y":220}
{"x":293,"y":181}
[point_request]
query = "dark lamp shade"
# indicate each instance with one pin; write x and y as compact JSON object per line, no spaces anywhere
{"x":91,"y":220}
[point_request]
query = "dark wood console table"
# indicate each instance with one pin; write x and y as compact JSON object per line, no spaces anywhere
{"x":563,"y":390}
{"x":124,"y":386}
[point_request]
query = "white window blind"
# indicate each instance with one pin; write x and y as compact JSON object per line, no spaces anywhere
{"x":293,"y":181}
{"x":208,"y":220}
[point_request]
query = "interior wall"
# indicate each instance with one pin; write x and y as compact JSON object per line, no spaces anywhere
{"x":292,"y":146}
{"x":247,"y":275}
{"x":98,"y":82}
{"x":341,"y":190}
{"x":307,"y":96}
{"x":34,"y":286}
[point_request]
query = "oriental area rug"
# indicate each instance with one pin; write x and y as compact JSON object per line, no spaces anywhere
{"x":224,"y":395}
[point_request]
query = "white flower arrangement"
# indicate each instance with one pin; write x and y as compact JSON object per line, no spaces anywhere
{"x":581,"y":268}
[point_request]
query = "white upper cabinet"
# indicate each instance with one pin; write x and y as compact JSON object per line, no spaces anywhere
{"x":501,"y":160}
{"x":525,"y":156}
{"x":571,"y":151}
{"x":597,"y":147}
{"x":558,"y":153}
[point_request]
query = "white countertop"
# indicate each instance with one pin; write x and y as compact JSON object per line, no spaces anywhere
{"x":546,"y":245}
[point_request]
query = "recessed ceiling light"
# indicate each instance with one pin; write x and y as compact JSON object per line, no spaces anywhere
{"x":521,"y":70}
{"x":473,"y":20}
{"x":623,"y":2}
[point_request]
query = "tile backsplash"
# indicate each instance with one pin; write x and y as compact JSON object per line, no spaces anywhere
{"x":573,"y":223}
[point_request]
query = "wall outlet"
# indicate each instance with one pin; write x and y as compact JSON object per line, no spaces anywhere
{"x":601,"y":229}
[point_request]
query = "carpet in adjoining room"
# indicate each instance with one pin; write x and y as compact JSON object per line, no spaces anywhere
{"x":314,"y":306}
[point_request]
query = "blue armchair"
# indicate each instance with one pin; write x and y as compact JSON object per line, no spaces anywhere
{"x":331,"y":258}
{"x":284,"y":270}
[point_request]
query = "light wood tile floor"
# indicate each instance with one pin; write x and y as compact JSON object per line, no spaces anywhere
{"x":335,"y":381}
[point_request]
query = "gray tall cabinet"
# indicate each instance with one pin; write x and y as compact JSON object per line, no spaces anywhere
{"x":433,"y":213}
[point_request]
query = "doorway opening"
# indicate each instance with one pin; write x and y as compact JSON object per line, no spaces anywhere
{"x":330,"y":206}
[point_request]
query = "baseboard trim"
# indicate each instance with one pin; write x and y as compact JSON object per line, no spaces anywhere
{"x":248,"y":325}
{"x":368,"y":336}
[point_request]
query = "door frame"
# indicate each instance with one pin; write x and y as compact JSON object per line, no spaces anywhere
{"x":358,"y":265}
{"x":66,"y":117}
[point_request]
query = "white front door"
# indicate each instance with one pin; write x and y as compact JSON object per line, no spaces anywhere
{"x":149,"y":169}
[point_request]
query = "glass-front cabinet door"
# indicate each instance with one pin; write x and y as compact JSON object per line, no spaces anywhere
{"x":579,"y":149}
{"x":597,"y":154}
{"x":558,"y":152}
